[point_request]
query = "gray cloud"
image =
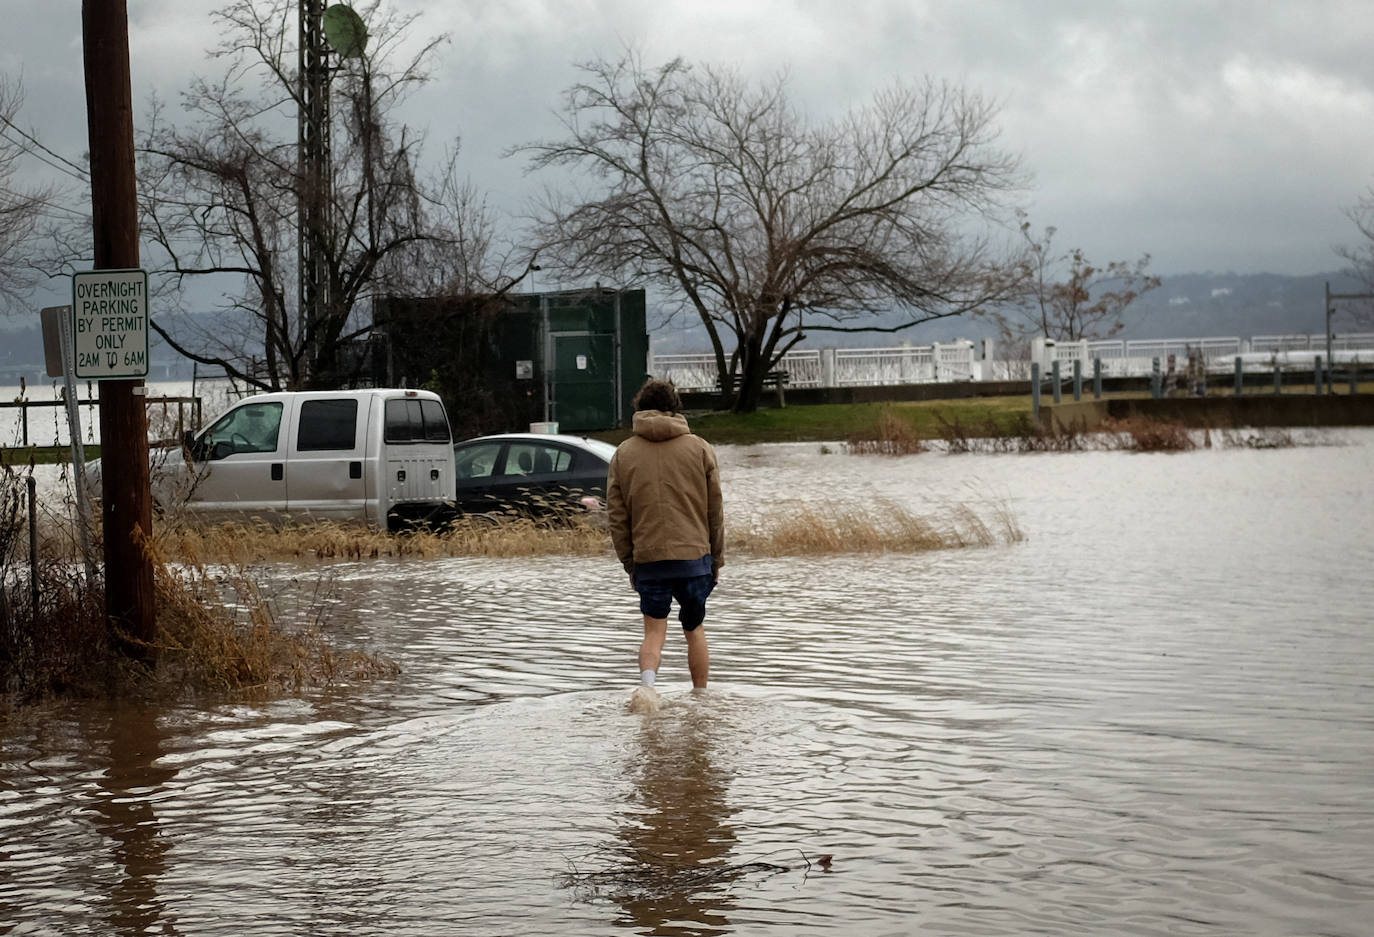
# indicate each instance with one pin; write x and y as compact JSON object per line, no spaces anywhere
{"x":1213,"y":135}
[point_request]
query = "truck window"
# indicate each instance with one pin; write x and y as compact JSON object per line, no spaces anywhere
{"x":327,"y":424}
{"x":415,"y":420}
{"x":436,"y":423}
{"x":252,"y":427}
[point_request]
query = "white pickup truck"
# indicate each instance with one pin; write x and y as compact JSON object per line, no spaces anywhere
{"x":380,"y":456}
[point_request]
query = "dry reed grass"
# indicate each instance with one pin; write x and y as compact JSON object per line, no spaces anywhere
{"x":806,"y":530}
{"x":1133,"y":434}
{"x":324,"y":540}
{"x":893,"y":435}
{"x":216,"y":632}
{"x":1142,"y":434}
{"x":880,"y":527}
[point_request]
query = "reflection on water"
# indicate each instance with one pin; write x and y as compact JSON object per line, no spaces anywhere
{"x":121,"y":811}
{"x":1152,"y":717}
{"x":678,"y":823}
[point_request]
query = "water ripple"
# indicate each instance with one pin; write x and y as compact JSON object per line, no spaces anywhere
{"x":1150,"y":718}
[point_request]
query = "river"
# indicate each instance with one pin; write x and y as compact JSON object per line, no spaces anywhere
{"x":1153,"y":716}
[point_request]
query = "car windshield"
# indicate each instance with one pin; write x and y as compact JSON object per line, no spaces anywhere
{"x":476,"y":461}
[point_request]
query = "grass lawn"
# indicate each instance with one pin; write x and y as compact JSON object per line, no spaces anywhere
{"x":43,"y":455}
{"x":836,"y":422}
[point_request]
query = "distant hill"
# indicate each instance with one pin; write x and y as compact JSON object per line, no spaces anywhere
{"x":1193,"y":305}
{"x":1233,"y":304}
{"x":21,"y":353}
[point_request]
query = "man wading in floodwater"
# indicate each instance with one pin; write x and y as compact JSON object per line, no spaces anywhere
{"x":667,"y":525}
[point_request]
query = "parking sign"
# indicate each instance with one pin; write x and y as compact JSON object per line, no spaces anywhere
{"x":110,"y":323}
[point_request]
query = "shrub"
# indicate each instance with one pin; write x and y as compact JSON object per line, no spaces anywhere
{"x":893,"y":435}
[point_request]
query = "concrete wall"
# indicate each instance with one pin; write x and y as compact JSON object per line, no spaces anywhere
{"x":803,"y":396}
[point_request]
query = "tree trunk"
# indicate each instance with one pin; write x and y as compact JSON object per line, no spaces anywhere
{"x":753,"y":365}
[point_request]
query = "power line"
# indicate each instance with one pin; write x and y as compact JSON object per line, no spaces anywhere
{"x":43,"y":206}
{"x":48,"y":162}
{"x":68,"y":167}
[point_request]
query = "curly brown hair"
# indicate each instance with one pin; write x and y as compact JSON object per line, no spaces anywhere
{"x":658,"y":395}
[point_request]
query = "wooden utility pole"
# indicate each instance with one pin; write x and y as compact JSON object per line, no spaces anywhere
{"x":126,"y":503}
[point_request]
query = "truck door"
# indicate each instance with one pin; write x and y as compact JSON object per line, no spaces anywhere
{"x":239,"y":463}
{"x":325,"y":461}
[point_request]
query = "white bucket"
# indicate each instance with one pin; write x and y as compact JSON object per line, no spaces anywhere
{"x":544,"y":428}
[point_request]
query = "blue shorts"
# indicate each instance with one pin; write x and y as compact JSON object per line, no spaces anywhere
{"x":656,"y":598}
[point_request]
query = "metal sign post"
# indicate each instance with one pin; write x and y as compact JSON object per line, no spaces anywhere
{"x":59,"y":317}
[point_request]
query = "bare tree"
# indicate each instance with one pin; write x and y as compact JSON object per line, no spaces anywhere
{"x":467,"y":252}
{"x":1360,"y":257}
{"x":1068,"y":297}
{"x":767,"y":225}
{"x":220,"y":195}
{"x":22,"y":207}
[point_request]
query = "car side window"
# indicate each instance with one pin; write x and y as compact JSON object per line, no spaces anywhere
{"x":253,"y":427}
{"x":537,"y":459}
{"x":477,"y":461}
{"x":327,"y":425}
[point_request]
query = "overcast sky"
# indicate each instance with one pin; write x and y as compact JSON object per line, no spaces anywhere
{"x":1216,"y":136}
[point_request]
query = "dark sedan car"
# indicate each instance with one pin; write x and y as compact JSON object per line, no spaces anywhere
{"x":532,"y":474}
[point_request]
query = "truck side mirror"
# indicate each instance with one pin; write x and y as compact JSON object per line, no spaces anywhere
{"x":193,"y":448}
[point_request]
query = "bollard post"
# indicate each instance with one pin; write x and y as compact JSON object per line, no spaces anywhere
{"x":1240,"y":376}
{"x":1278,"y":380}
{"x":1317,"y":375}
{"x":1035,"y":390}
{"x":1077,"y":379}
{"x":1097,"y":378}
{"x":1155,"y":391}
{"x":1354,"y":378}
{"x":1054,"y":379}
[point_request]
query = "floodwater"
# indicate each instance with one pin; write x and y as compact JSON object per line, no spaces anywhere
{"x":1153,"y":716}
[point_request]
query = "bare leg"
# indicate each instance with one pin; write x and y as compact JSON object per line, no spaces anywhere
{"x":651,"y":651}
{"x":698,"y":656}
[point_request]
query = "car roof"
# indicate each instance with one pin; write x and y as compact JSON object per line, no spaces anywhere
{"x":537,"y":437}
{"x":389,"y":393}
{"x":596,"y":447}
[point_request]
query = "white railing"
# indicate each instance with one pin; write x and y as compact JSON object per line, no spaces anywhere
{"x":1124,"y":358}
{"x":1351,"y":341}
{"x":803,"y":368}
{"x":690,"y":372}
{"x":958,"y":361}
{"x":836,"y":367}
{"x":867,"y":367}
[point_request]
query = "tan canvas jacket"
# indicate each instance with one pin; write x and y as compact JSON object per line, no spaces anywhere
{"x":663,"y":494}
